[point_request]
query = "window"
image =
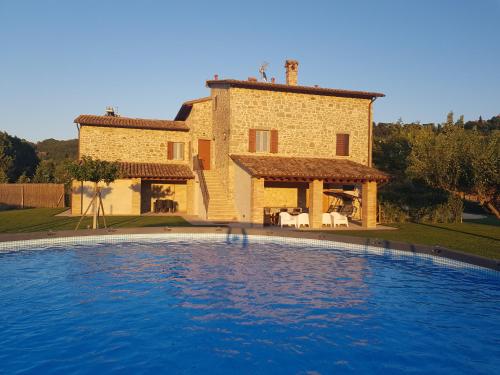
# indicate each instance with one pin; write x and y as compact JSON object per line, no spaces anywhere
{"x":262,"y":141}
{"x":175,"y":151}
{"x":342,"y":148}
{"x":178,"y":151}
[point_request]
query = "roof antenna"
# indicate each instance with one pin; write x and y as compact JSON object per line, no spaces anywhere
{"x":111,"y":111}
{"x":262,"y":71}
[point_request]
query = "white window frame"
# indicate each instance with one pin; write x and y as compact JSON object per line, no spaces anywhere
{"x":178,"y":151}
{"x":262,"y":140}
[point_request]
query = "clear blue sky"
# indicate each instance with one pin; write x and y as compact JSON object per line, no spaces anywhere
{"x":63,"y":58}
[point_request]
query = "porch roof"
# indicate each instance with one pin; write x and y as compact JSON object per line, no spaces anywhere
{"x":155,"y":171}
{"x":279,"y":168}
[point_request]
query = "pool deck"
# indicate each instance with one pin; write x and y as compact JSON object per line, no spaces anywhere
{"x":436,"y":251}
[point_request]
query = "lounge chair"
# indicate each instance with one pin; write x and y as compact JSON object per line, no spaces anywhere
{"x":339,"y":219}
{"x":303,"y":219}
{"x":326,"y":219}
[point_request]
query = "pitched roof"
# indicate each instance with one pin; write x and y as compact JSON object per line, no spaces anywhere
{"x":296,"y":168}
{"x":155,"y":170}
{"x":293,"y":88}
{"x":186,"y":107}
{"x":127,"y":122}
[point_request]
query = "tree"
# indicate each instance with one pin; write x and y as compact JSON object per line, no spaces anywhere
{"x":23,"y":179}
{"x":45,"y":172}
{"x":96,"y":171}
{"x":17,"y":156}
{"x":460,"y":162}
{"x":449,"y":118}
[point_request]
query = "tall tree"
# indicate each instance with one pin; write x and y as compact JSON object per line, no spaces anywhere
{"x":17,"y":156}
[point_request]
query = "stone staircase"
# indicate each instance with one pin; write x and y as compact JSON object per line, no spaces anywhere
{"x":220,"y":207}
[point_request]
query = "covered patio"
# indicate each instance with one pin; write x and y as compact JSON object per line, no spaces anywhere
{"x":310,"y":185}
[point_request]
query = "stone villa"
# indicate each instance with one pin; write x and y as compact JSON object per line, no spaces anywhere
{"x":248,"y":147}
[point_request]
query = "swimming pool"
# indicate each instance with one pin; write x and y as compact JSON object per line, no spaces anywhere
{"x":226,"y":304}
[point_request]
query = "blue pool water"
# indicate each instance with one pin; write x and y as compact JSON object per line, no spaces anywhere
{"x":252,"y":307}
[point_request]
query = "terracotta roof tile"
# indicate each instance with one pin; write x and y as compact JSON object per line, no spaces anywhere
{"x":294,"y":88}
{"x":155,"y":170}
{"x":127,"y":122}
{"x":278,"y":167}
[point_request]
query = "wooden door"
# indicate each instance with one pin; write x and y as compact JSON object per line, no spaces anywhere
{"x":204,"y":153}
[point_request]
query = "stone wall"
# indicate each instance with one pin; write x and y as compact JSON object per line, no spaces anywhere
{"x":307,"y":124}
{"x":199,"y":122}
{"x":130,"y":145}
{"x":221,"y":132}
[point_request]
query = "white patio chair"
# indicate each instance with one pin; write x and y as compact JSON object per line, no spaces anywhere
{"x":339,"y":219}
{"x":287,"y":219}
{"x":303,"y":219}
{"x":326,"y":219}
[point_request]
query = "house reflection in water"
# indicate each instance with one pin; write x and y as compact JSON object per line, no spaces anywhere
{"x":249,"y":285}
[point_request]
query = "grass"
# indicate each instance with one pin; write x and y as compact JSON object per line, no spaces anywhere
{"x":43,"y":219}
{"x":480,"y":237}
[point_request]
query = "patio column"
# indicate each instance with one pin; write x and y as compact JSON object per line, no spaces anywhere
{"x":190,"y":196}
{"x":315,"y":203}
{"x":257,"y":201}
{"x":135,"y":184}
{"x":369,"y":205}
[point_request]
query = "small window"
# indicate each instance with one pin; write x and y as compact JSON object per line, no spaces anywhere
{"x":178,"y":151}
{"x":342,"y":148}
{"x":263,"y":141}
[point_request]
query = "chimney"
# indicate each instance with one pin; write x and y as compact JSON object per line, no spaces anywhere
{"x":292,"y":67}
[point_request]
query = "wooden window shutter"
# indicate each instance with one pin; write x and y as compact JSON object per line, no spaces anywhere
{"x":170,"y":150}
{"x":274,"y":141}
{"x":252,"y":139}
{"x":342,"y":148}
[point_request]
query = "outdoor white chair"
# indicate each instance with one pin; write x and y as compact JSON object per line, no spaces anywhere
{"x":287,"y":219}
{"x":326,"y":219}
{"x":302,"y":219}
{"x":339,"y":219}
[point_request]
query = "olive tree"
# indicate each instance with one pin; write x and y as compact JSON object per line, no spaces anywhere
{"x":95,"y":171}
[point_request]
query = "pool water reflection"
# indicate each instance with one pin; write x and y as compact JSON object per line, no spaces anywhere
{"x":215,"y":307}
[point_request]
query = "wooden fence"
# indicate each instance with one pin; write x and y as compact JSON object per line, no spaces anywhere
{"x":32,"y":195}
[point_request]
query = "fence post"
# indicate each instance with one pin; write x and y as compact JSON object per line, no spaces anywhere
{"x":22,"y":196}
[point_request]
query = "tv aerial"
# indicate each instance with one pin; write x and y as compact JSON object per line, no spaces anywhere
{"x":262,"y":71}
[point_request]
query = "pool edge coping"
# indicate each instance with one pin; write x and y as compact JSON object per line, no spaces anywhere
{"x":436,"y":251}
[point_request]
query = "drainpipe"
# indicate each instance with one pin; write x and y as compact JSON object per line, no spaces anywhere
{"x":370,"y":130}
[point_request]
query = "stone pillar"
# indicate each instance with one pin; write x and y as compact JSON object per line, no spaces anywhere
{"x":257,"y":201}
{"x":190,"y":197}
{"x":315,"y":203}
{"x":135,"y":185}
{"x":369,"y":205}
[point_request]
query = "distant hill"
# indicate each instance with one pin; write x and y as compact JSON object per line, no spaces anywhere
{"x":53,"y":149}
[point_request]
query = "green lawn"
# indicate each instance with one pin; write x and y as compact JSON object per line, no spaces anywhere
{"x":43,"y":219}
{"x":481,"y":237}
